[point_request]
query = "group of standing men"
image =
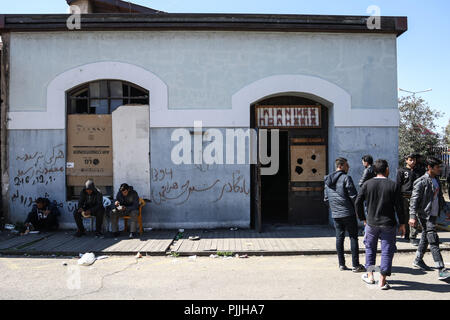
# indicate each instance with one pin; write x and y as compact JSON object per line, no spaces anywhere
{"x":384,"y":206}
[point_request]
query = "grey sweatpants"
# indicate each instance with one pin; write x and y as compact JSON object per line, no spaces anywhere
{"x":133,"y":219}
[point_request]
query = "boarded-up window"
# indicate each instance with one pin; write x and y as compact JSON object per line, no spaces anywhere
{"x":89,"y":132}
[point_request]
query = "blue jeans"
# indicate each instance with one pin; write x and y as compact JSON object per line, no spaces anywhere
{"x":387,"y":235}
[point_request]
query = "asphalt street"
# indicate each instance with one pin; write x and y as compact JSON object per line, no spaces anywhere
{"x":175,"y":278}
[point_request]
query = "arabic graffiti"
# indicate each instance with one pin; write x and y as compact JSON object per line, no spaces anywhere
{"x":180,"y":192}
{"x":35,"y":170}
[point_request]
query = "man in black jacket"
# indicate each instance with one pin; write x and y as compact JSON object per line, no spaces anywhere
{"x":426,"y":204}
{"x":43,"y":216}
{"x":405,"y":179}
{"x":89,"y":204}
{"x":127,"y":204}
{"x":340,"y":194}
{"x":383,"y":201}
{"x":368,"y":173}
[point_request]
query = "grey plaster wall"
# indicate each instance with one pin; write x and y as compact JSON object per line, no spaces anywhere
{"x":203,"y":69}
{"x":37,"y":169}
{"x":195,"y":195}
{"x":353,"y":143}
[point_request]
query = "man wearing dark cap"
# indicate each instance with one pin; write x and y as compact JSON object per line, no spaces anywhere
{"x":405,"y":180}
{"x":127,"y":204}
{"x":90,"y":204}
{"x":43,"y":216}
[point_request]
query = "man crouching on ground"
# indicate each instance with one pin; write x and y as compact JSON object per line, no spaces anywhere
{"x":383,"y":199}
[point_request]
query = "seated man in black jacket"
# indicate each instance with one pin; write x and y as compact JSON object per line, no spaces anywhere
{"x":43,"y":216}
{"x":90,"y":204}
{"x":127,"y":204}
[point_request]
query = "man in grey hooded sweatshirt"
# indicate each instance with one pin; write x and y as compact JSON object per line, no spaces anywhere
{"x":340,"y":193}
{"x":89,"y":204}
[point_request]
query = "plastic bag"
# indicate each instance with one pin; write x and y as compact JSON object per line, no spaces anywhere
{"x":87,"y":259}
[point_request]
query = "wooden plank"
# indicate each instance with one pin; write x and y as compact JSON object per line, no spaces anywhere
{"x":50,"y":243}
{"x":21,"y":240}
{"x":214,"y":240}
{"x":150,"y":243}
{"x":255,"y":245}
{"x":220,"y":241}
{"x":280,"y":240}
{"x":160,"y":243}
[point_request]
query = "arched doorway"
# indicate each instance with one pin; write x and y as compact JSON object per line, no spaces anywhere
{"x":293,"y":196}
{"x":89,"y":131}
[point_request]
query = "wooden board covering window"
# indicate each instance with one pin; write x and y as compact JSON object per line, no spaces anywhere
{"x":308,"y":163}
{"x":89,"y":149}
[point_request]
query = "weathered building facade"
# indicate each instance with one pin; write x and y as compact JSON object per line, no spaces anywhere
{"x":112,"y":94}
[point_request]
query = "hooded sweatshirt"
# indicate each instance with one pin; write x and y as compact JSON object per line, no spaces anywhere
{"x":340,"y":193}
{"x":94,"y":201}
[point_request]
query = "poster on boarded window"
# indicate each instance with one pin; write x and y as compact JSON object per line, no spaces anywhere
{"x":89,"y":146}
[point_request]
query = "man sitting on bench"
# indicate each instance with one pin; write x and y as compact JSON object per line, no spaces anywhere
{"x":127,"y":204}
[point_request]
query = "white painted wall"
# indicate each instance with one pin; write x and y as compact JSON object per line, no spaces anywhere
{"x":131,"y":160}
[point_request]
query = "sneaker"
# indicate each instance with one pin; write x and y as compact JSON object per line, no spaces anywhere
{"x":79,"y":234}
{"x":359,"y":268}
{"x":98,"y":234}
{"x":421,"y":265}
{"x":385,"y":287}
{"x":414,"y":242}
{"x":444,"y":274}
{"x":343,"y":268}
{"x":366,"y":279}
{"x":131,"y":236}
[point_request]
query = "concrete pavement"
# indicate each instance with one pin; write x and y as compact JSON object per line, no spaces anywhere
{"x":171,"y":278}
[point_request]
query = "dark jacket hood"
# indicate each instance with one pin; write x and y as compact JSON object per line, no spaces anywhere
{"x":332,"y":179}
{"x":90,"y":185}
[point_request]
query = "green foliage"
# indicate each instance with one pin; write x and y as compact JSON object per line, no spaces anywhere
{"x":224,"y":254}
{"x":417,"y":121}
{"x":447,"y":134}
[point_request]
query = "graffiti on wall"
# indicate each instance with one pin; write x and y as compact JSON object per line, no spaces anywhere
{"x":179,"y":192}
{"x":34,"y":170}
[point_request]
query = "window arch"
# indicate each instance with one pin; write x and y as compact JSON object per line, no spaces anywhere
{"x":104,"y":96}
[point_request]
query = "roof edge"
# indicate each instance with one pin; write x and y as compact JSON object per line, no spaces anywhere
{"x":204,"y":21}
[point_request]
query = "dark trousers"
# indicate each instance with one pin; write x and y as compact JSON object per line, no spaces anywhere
{"x":98,"y":220}
{"x":47,"y":224}
{"x":350,"y":225}
{"x":411,"y":232}
{"x":430,"y":236}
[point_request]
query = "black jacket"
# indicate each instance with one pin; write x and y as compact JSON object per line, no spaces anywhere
{"x":405,"y":180}
{"x":131,"y":201}
{"x":422,"y":197}
{"x":93,"y":202}
{"x":340,"y":193}
{"x":383,"y":199}
{"x":51,"y":221}
{"x":367,"y":174}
